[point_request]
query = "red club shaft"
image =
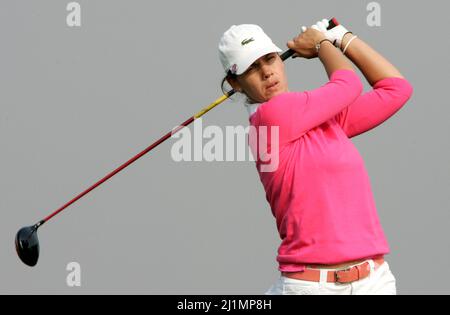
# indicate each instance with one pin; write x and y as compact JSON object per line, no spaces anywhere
{"x":119,"y":169}
{"x":135,"y":158}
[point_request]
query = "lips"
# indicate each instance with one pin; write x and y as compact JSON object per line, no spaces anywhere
{"x":272,"y":85}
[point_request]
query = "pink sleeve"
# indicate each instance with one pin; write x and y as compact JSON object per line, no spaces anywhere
{"x":375,"y":107}
{"x":296,"y":113}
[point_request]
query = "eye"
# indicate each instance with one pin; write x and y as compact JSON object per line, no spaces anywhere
{"x":250,"y":69}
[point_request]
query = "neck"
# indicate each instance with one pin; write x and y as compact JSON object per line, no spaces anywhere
{"x":252,"y":108}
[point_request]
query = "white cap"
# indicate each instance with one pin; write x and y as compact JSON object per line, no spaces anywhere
{"x":242,"y":45}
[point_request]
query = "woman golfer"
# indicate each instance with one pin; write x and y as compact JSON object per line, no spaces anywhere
{"x":320,"y":193}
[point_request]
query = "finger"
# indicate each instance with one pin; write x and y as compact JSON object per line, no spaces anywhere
{"x":322,"y":26}
{"x":319,"y":26}
{"x":291,"y":44}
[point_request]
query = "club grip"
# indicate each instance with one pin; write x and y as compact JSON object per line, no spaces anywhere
{"x":289,"y":53}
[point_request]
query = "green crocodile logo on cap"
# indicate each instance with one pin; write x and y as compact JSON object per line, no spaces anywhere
{"x":247,"y":41}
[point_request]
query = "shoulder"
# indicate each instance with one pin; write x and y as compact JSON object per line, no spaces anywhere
{"x":281,"y":105}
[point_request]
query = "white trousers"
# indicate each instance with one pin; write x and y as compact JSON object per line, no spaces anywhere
{"x":380,"y":282}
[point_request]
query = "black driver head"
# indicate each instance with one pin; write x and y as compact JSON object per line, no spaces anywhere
{"x":27,"y":245}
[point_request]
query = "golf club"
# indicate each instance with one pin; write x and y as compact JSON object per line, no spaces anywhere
{"x":27,"y":242}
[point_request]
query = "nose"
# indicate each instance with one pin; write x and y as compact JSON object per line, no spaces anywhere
{"x":266,"y":71}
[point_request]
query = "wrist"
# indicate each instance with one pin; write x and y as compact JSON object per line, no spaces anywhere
{"x":323,"y":41}
{"x":345,"y":40}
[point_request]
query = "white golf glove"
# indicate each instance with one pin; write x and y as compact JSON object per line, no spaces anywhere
{"x":336,"y":35}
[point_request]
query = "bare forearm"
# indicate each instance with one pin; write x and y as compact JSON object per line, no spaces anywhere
{"x":372,"y":64}
{"x":333,"y":59}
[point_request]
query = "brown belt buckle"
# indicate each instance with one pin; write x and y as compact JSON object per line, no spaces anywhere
{"x":338,"y":279}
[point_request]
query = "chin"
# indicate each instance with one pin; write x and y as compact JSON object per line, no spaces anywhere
{"x":276,"y":93}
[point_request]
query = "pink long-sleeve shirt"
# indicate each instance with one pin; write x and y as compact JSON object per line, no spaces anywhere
{"x":320,"y":193}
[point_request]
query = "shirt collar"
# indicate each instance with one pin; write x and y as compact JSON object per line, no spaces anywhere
{"x":252,"y":108}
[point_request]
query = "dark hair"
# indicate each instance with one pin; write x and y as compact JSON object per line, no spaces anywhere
{"x":229,"y":75}
{"x":233,"y":76}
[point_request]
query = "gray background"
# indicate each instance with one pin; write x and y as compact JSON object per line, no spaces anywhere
{"x":77,"y":103}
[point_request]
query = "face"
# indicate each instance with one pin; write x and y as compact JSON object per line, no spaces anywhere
{"x":264,"y":79}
